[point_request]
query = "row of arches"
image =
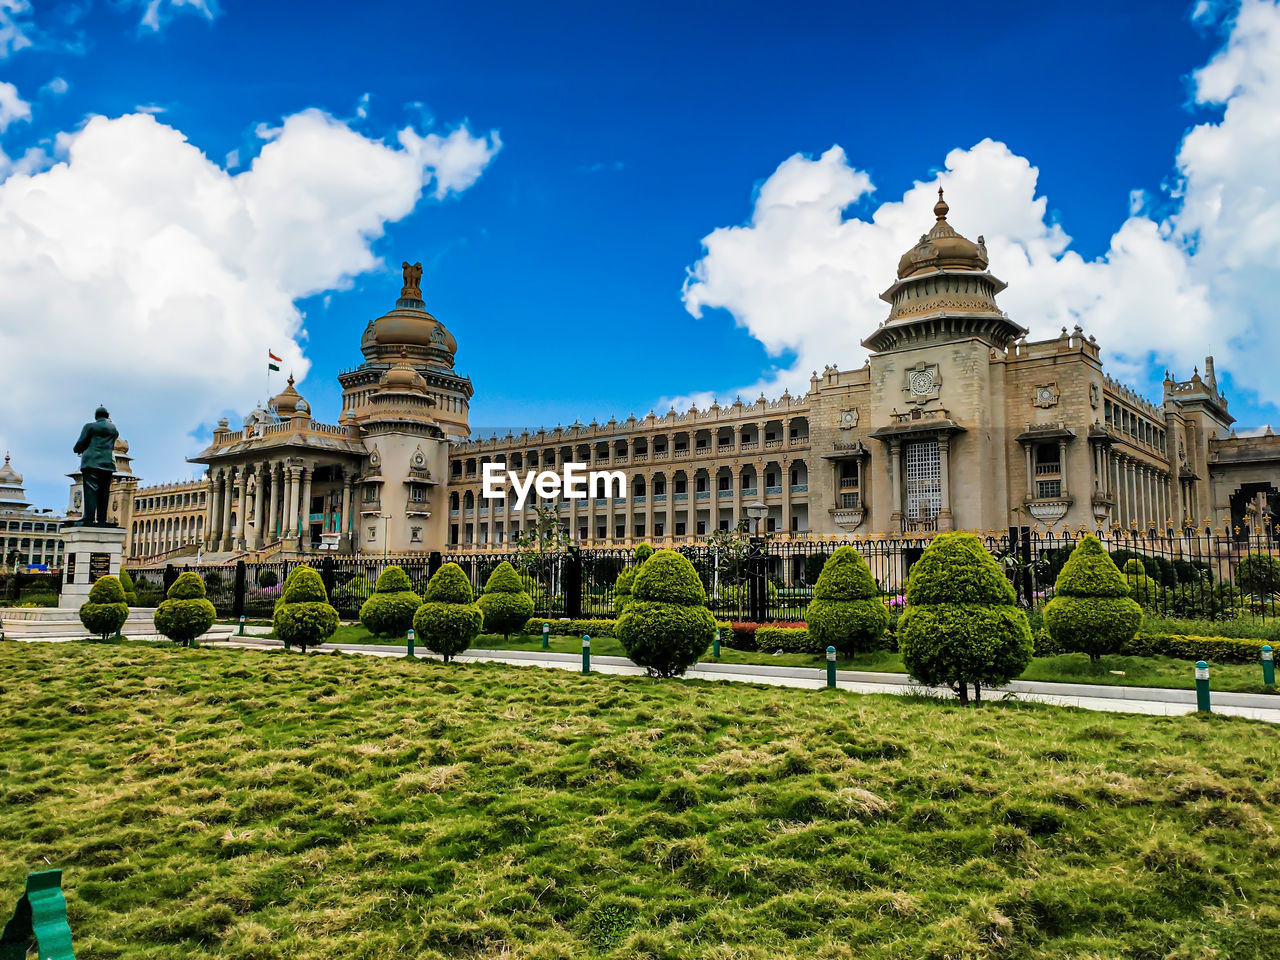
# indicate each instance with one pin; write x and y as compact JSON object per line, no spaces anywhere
{"x":152,"y":537}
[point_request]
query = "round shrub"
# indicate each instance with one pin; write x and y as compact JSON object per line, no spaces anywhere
{"x":105,"y":611}
{"x":847,"y":612}
{"x":505,"y":605}
{"x":130,"y":591}
{"x":186,"y":614}
{"x":1091,"y":610}
{"x":622,"y":589}
{"x":389,"y":610}
{"x":268,"y":579}
{"x":449,"y":620}
{"x":962,"y":625}
{"x":1259,"y":573}
{"x":666,"y":626}
{"x":303,"y":615}
{"x":1141,"y":587}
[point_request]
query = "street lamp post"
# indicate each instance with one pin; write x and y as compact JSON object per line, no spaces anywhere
{"x":386,"y":533}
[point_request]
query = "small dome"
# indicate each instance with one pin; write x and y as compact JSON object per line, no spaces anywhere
{"x":402,"y":377}
{"x":289,"y":401}
{"x":943,"y":249}
{"x":409,"y":324}
{"x":122,"y":445}
{"x":8,"y":474}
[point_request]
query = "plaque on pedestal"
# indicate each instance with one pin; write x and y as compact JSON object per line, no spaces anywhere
{"x":90,"y":552}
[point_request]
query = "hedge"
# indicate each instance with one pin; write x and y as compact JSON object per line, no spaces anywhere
{"x":449,"y":620}
{"x":1091,"y":610}
{"x":846,"y":612}
{"x":666,"y":626}
{"x":389,"y":611}
{"x":607,"y":628}
{"x":303,"y":614}
{"x":504,"y":603}
{"x":1220,"y":650}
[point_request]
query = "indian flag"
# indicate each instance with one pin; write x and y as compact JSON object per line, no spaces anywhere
{"x":272,"y":361}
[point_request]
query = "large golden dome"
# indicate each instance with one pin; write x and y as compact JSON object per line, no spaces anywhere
{"x":287,"y":402}
{"x":409,"y":325}
{"x":943,"y":249}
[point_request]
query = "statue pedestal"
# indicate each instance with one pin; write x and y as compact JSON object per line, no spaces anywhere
{"x":88,"y":553}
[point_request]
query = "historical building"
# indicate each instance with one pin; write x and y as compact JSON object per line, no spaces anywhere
{"x":28,"y":537}
{"x":955,"y":421}
{"x":167,"y":521}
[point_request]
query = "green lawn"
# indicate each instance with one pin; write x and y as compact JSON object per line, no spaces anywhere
{"x":255,"y":805}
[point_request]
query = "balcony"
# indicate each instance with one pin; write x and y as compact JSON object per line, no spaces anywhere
{"x":703,"y":495}
{"x":749,"y":445}
{"x":680,"y":496}
{"x":1048,"y":469}
{"x":772,"y":444}
{"x":772,"y":490}
{"x":848,"y":483}
{"x":659,"y":498}
{"x":660,"y":454}
{"x":799,"y":488}
{"x":748,"y":492}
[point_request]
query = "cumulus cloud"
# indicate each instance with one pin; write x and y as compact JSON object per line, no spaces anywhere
{"x":157,"y":13}
{"x":803,"y":278}
{"x":12,"y":106}
{"x":57,"y":86}
{"x":139,"y":273}
{"x":15,"y":26}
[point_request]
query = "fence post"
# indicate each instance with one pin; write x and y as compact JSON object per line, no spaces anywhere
{"x":40,"y":916}
{"x":237,"y":597}
{"x":327,"y":575}
{"x":572,"y":575}
{"x":586,"y":653}
{"x":170,"y":575}
{"x":434,"y":563}
{"x":757,"y":583}
{"x":1268,"y":666}
{"x":1024,"y":554}
{"x":1202,"y":687}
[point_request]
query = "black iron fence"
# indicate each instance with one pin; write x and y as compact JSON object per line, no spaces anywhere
{"x":1189,"y":574}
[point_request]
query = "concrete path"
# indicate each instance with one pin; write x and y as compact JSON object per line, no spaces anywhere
{"x":1115,"y":699}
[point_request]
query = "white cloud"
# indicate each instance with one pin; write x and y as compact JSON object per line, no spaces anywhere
{"x":15,"y":26}
{"x":804,"y":279}
{"x":157,"y":13}
{"x":140,"y":274}
{"x":57,"y":86}
{"x":12,"y":107}
{"x":232,"y":161}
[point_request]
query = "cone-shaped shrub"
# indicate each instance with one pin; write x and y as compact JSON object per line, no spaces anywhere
{"x":666,"y":626}
{"x":130,"y":591}
{"x":186,"y":614}
{"x":622,"y":589}
{"x":962,"y":625}
{"x":389,"y":611}
{"x":1141,"y":587}
{"x":105,"y":611}
{"x":1091,"y":610}
{"x":449,"y":619}
{"x":505,"y":605}
{"x":847,"y":612}
{"x":303,"y":615}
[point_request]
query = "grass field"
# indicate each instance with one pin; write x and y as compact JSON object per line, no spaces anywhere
{"x":1065,"y":668}
{"x":269,"y":805}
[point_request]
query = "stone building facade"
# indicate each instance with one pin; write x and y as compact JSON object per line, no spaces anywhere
{"x":955,"y":421}
{"x":28,"y":537}
{"x":168,"y":521}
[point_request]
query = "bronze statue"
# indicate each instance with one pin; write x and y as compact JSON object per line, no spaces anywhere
{"x":412,"y":278}
{"x":96,"y":447}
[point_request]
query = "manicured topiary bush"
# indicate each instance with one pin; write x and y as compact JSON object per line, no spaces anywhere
{"x":643,"y":553}
{"x":1141,"y":587}
{"x":130,"y":591}
{"x":847,"y":612}
{"x":1091,"y":610}
{"x":961,"y":625}
{"x":622,"y":590}
{"x":505,"y":605}
{"x":303,"y":615}
{"x":449,"y":620}
{"x":105,"y":611}
{"x":389,"y":610}
{"x":1259,"y":574}
{"x":666,"y":626}
{"x":186,"y":613}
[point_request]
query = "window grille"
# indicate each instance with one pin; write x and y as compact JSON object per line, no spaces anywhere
{"x":924,"y":480}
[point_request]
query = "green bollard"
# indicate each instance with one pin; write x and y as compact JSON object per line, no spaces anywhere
{"x":546,"y":634}
{"x":1202,"y":687}
{"x":40,"y":918}
{"x":586,"y":654}
{"x":831,"y":667}
{"x":410,"y":638}
{"x":241,"y":633}
{"x":1268,"y":666}
{"x":715,"y":645}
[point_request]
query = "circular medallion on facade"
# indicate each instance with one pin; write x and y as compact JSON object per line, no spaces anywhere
{"x":922,"y":383}
{"x":418,"y":459}
{"x":848,"y":418}
{"x":1045,"y":395}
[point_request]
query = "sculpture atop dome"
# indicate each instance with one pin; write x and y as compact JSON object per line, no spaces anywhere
{"x":412,"y":289}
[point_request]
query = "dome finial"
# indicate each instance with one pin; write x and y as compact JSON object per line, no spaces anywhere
{"x":940,"y":208}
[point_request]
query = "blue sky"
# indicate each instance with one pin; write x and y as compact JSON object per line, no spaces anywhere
{"x":628,"y":133}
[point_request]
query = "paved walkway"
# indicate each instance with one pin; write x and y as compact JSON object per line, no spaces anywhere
{"x":1115,"y":699}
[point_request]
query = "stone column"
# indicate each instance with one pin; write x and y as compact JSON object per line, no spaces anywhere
{"x":273,"y":515}
{"x":895,"y":472}
{"x":648,"y":504}
{"x":304,"y":511}
{"x":242,"y":488}
{"x":289,"y":522}
{"x":1062,"y":465}
{"x":1031,"y":479}
{"x":785,"y":466}
{"x":224,"y":527}
{"x":259,"y":507}
{"x":213,"y":506}
{"x":944,"y":473}
{"x":344,"y":522}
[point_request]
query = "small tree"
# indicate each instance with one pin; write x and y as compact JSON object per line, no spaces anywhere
{"x":449,"y":620}
{"x":505,"y":605}
{"x":186,"y":614}
{"x":1141,"y":587}
{"x":962,"y":624}
{"x":847,"y":612}
{"x":1259,"y":574}
{"x":105,"y":611}
{"x":389,"y":610}
{"x":303,"y":615}
{"x":666,"y":626}
{"x":130,"y":591}
{"x":1091,"y":610}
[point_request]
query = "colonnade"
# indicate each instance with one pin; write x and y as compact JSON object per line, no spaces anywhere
{"x":1142,"y":493}
{"x":278,"y":495}
{"x":150,"y":537}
